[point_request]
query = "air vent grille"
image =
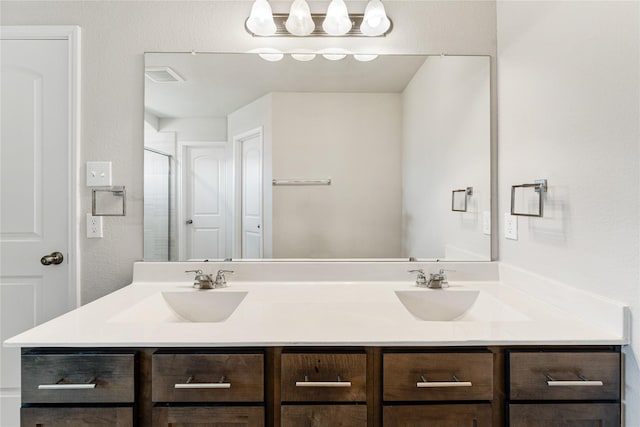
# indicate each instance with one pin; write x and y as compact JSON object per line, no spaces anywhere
{"x":162,"y":75}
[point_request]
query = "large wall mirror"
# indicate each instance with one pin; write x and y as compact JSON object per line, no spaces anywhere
{"x":246,"y":158}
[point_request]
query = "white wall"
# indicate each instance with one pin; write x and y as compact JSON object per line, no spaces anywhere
{"x":446,"y":145}
{"x":195,"y":128}
{"x":115,"y":35}
{"x":354,"y":139}
{"x":258,"y":114}
{"x":569,"y":112}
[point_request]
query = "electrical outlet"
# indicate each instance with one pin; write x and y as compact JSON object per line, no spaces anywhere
{"x":94,"y":226}
{"x":486,"y":222}
{"x":510,"y":226}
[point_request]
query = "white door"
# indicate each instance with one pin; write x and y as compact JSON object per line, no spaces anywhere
{"x":205,"y":197}
{"x":251,"y":223}
{"x":35,"y":187}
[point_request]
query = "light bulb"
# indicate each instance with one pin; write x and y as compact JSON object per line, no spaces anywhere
{"x":299,"y":21}
{"x":260,"y":21}
{"x":375,"y":21}
{"x":337,"y":22}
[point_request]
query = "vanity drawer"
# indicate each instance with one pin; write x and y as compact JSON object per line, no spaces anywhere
{"x":78,"y":377}
{"x":323,"y":377}
{"x":559,"y":375}
{"x":207,"y":377}
{"x":564,"y":414}
{"x":324,"y":415}
{"x":430,"y":376}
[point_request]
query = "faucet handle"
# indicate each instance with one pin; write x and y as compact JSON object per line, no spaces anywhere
{"x":198,"y":272}
{"x":220,"y":279}
{"x":421,"y":280}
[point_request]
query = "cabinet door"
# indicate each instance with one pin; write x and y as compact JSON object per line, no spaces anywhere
{"x":453,"y":415}
{"x":563,"y":414}
{"x":218,"y":416}
{"x":324,"y":415}
{"x":77,"y":417}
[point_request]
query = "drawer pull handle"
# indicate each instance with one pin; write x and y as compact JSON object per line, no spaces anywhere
{"x":191,"y":385}
{"x":337,"y":383}
{"x":435,"y":384}
{"x":61,"y":385}
{"x":581,"y":382}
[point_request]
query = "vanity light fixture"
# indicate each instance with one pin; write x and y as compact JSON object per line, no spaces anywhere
{"x":260,"y":21}
{"x":301,"y":22}
{"x":337,"y":21}
{"x":375,"y":21}
{"x":364,"y":57}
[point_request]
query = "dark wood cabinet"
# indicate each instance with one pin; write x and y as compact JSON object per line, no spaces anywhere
{"x":437,"y":376}
{"x":58,"y":388}
{"x":564,"y":414}
{"x":207,"y":377}
{"x":76,"y":417}
{"x":321,"y":386}
{"x":215,"y":416}
{"x":324,"y":415}
{"x":570,"y":387}
{"x":440,"y":415}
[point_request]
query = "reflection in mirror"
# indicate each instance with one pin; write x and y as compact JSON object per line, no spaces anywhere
{"x":370,"y":152}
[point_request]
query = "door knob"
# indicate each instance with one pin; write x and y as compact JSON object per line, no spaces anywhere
{"x":54,"y":258}
{"x":189,"y":221}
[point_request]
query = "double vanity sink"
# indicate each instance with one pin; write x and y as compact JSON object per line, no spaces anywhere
{"x":217,"y":305}
{"x":359,"y":345}
{"x":341,"y":304}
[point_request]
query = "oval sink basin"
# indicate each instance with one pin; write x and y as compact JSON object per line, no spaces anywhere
{"x":190,"y":306}
{"x":204,"y":306}
{"x":437,"y":305}
{"x":457,"y":305}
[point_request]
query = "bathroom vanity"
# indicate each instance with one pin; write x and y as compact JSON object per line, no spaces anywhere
{"x":320,"y":353}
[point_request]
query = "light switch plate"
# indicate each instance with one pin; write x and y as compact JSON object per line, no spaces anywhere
{"x":486,"y":222}
{"x":510,"y":226}
{"x":98,"y":174}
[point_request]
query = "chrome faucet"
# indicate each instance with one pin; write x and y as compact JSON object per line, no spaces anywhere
{"x":221,"y":281}
{"x":436,"y":280}
{"x":206,"y":281}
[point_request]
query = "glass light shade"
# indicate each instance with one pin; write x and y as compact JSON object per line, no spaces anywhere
{"x":299,"y":22}
{"x":375,"y":21}
{"x":268,"y":54}
{"x":337,"y":21}
{"x":334,"y":54}
{"x":260,"y":21}
{"x":303,"y":56}
{"x":364,"y":57}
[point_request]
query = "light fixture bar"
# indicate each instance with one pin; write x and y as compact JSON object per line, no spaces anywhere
{"x":318,"y":18}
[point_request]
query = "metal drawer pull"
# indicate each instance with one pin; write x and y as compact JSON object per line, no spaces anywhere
{"x":582,"y":382}
{"x":190,"y":384}
{"x":434,"y":384}
{"x":338,"y":383}
{"x":61,"y":385}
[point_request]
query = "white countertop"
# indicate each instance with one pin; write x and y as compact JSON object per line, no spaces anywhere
{"x":324,"y":313}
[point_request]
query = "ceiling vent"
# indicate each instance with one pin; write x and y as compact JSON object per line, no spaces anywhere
{"x":162,"y":75}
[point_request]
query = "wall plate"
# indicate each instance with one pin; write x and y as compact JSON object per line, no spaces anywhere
{"x":510,"y":226}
